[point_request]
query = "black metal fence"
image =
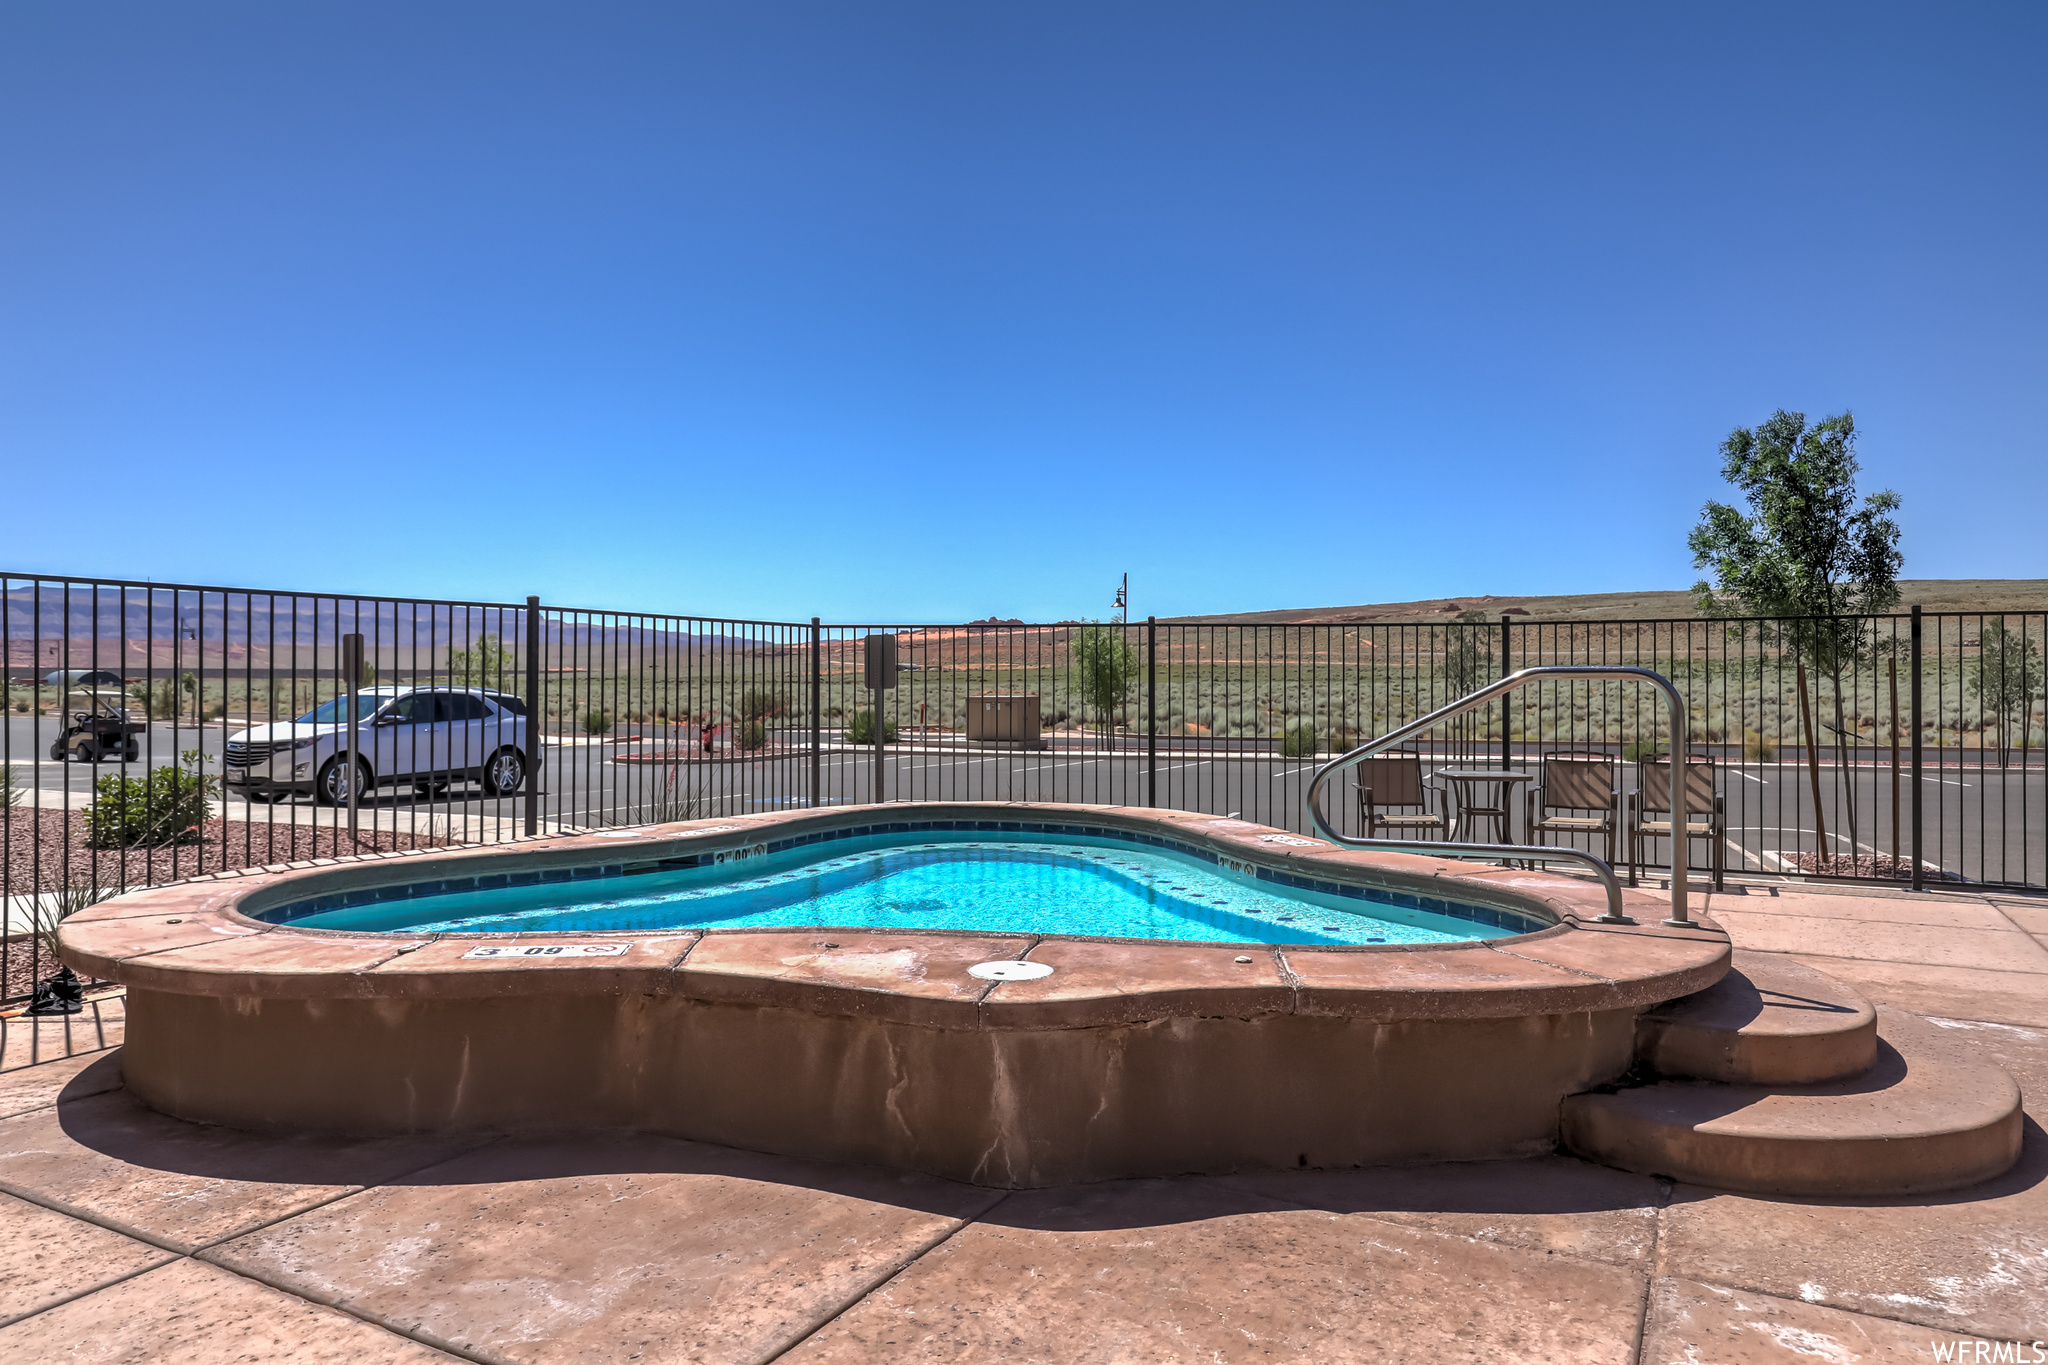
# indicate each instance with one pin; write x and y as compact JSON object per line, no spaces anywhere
{"x":1903,"y":748}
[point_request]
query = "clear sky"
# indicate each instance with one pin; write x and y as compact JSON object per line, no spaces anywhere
{"x":929,"y":311}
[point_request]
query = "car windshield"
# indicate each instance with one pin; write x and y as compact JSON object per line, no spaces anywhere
{"x":336,"y":712}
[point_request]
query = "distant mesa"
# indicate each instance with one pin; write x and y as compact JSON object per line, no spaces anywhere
{"x":994,"y":623}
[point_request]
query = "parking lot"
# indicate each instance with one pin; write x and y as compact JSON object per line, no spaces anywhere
{"x":1979,"y":823}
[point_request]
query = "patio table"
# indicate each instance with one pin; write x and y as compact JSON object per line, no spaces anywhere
{"x":1476,"y":800}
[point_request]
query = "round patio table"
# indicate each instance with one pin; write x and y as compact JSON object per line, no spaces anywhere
{"x":1483,"y":794}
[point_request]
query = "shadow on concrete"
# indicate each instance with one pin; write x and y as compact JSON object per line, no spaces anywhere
{"x":113,"y":1124}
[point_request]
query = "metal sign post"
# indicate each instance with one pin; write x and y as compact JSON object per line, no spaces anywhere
{"x":352,"y":677}
{"x":879,"y":672}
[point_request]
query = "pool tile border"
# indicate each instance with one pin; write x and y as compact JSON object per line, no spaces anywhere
{"x":1508,"y":921}
{"x":132,"y":938}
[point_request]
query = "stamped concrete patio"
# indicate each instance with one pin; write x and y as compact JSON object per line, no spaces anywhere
{"x":132,"y":1237}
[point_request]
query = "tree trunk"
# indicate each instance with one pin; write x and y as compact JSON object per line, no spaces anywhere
{"x":1847,"y":774}
{"x":1820,"y":822}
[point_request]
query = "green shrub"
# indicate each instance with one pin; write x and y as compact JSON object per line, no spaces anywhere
{"x":761,"y":704}
{"x":596,"y":722}
{"x":160,"y":702}
{"x":166,"y":807}
{"x":1758,"y":748}
{"x":1299,"y":742}
{"x":10,"y":786}
{"x":1640,"y":750}
{"x":862,"y":731}
{"x":753,"y":735}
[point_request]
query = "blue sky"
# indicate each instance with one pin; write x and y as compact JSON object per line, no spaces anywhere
{"x":936,"y":311}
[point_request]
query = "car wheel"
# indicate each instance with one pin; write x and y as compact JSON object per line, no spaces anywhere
{"x":85,"y":751}
{"x":331,"y":787}
{"x":131,"y":751}
{"x":58,"y":753}
{"x":504,"y":773}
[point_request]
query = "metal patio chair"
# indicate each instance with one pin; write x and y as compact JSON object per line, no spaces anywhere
{"x":1576,"y":796}
{"x":1395,"y":782}
{"x":1649,"y":814}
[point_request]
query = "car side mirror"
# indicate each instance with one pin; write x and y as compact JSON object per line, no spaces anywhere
{"x":384,"y":720}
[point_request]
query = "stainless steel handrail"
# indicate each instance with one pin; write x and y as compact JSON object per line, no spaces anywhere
{"x":1531,"y":852}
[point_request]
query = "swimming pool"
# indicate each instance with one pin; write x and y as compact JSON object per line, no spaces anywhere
{"x":933,"y":879}
{"x":307,"y":999}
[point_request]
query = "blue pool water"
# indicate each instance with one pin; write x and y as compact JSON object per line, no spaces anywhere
{"x":934,"y":881}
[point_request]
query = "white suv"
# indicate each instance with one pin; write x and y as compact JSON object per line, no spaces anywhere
{"x":429,"y":736}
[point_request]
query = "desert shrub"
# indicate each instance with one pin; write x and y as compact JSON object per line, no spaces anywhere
{"x":160,"y":702}
{"x":10,"y":786}
{"x":1637,"y":750}
{"x":753,"y":735}
{"x":596,"y":722}
{"x":1758,"y":748}
{"x":166,"y":807}
{"x":761,"y":704}
{"x":1299,"y":742}
{"x":862,"y":731}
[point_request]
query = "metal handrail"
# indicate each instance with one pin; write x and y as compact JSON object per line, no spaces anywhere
{"x":1529,"y":852}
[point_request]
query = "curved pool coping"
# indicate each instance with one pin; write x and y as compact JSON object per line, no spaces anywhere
{"x":207,"y":937}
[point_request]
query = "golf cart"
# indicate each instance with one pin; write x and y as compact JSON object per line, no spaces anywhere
{"x":95,"y":728}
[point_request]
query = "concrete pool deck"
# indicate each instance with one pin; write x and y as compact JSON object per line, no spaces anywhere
{"x":136,"y":1237}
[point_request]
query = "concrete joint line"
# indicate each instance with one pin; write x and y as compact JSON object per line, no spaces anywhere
{"x":882,"y":1280}
{"x":169,"y":1259}
{"x":1656,"y":1275}
{"x":376,"y":1320}
{"x":97,"y":1220}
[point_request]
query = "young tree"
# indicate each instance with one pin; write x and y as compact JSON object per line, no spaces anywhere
{"x":1108,"y":667}
{"x":1468,"y":666}
{"x":1805,"y":553}
{"x":488,"y":662}
{"x":2006,"y":678}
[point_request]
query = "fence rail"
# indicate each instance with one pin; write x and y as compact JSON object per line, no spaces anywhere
{"x":1905,"y":748}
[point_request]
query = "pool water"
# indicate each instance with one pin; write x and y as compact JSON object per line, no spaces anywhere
{"x":1012,"y":885}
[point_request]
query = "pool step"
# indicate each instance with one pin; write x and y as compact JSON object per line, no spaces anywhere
{"x":1770,"y":1021}
{"x":1922,"y":1117}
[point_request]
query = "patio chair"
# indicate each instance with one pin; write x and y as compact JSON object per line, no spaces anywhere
{"x":1395,"y":782}
{"x":1576,"y":796}
{"x":1649,"y":814}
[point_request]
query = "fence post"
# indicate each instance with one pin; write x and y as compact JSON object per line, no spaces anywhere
{"x":1505,"y":669}
{"x":536,"y":718}
{"x":1151,"y":713}
{"x":1917,"y":878}
{"x":817,"y":798}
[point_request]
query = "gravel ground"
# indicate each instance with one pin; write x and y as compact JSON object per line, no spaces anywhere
{"x":59,"y":838}
{"x":44,"y":846}
{"x":1868,"y":865}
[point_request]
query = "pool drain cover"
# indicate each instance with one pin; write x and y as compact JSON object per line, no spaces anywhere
{"x":1009,"y":971}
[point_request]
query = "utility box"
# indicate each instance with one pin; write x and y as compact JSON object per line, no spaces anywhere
{"x":1009,"y":718}
{"x":878,"y":662}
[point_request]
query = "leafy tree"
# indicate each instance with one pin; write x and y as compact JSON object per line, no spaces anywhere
{"x":1468,"y":653}
{"x":1468,"y":665}
{"x":487,"y":662}
{"x":1108,"y":667}
{"x":1806,"y":552}
{"x":2006,"y":677}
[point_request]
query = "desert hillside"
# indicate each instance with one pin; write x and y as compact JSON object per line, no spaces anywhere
{"x":1933,"y":594}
